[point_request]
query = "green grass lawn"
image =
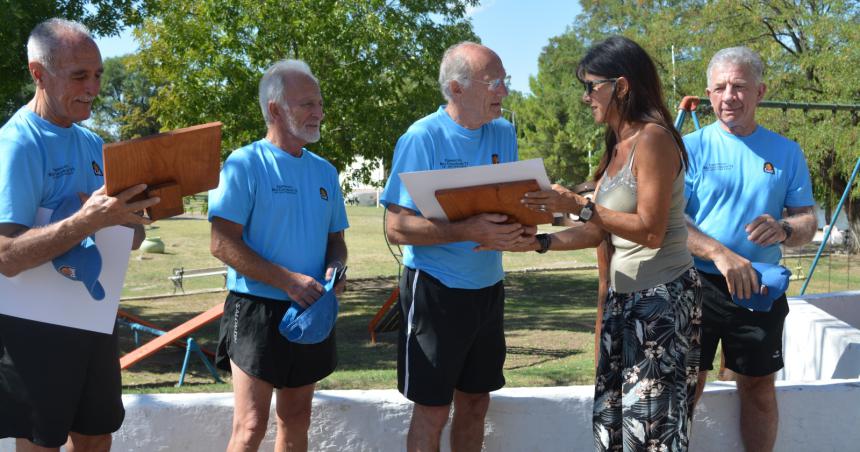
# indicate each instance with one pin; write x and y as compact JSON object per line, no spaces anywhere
{"x":549,"y":314}
{"x":187,"y":245}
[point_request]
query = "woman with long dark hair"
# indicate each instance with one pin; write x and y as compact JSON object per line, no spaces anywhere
{"x":649,"y":345}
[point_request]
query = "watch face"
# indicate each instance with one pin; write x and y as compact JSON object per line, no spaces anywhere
{"x":585,"y":213}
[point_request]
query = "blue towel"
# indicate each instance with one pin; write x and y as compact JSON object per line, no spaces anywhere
{"x":775,"y":278}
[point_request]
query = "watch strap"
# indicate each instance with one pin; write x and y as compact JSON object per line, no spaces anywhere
{"x":545,"y":241}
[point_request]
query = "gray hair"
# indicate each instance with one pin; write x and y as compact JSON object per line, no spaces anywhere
{"x":455,"y":67}
{"x":738,"y":56}
{"x":272,"y":83}
{"x":46,"y":39}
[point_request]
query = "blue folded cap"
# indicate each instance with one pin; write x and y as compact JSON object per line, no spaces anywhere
{"x":314,"y":324}
{"x":775,"y":278}
{"x":83,"y":262}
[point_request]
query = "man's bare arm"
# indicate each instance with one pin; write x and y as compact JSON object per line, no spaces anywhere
{"x":227,"y":245}
{"x":741,"y":278}
{"x":23,"y":248}
{"x":335,"y":257}
{"x":404,"y":227}
{"x":766,"y":230}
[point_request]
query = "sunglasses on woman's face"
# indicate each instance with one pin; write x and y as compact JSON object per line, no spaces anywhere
{"x":590,"y":84}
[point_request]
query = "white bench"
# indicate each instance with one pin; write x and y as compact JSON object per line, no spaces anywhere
{"x":180,"y":274}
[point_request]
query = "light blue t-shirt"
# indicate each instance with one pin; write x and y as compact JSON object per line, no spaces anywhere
{"x":41,"y":164}
{"x":732,"y":180}
{"x":437,"y":142}
{"x":287,"y":206}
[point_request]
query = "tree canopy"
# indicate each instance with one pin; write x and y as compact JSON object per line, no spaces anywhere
{"x":376,"y":61}
{"x":122,"y":110}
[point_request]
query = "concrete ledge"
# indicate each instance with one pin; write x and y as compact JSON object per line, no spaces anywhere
{"x":816,"y":344}
{"x":817,"y":416}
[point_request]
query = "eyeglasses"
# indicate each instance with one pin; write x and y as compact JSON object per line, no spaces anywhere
{"x":493,"y":85}
{"x":590,"y":84}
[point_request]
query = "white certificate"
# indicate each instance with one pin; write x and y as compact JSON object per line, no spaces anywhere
{"x":43,"y":295}
{"x":422,"y":185}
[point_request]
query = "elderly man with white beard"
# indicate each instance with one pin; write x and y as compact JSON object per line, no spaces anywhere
{"x":277,"y":221}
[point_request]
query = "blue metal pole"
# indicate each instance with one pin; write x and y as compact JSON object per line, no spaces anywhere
{"x":189,"y":344}
{"x":679,"y":121}
{"x":832,"y":222}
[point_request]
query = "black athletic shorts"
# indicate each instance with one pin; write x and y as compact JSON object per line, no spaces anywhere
{"x":451,"y":339}
{"x":55,"y":380}
{"x":752,"y":341}
{"x":250,"y":338}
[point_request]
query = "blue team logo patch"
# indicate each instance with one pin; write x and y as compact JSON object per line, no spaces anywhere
{"x":495,"y":159}
{"x":323,"y":194}
{"x":97,"y":169}
{"x":768,"y":168}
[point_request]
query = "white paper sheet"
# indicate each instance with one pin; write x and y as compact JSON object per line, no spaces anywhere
{"x":44,"y":295}
{"x":422,"y":185}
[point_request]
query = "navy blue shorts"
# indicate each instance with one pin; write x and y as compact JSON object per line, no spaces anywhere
{"x":752,"y":341}
{"x":451,"y":339}
{"x":250,"y":338}
{"x":55,"y":380}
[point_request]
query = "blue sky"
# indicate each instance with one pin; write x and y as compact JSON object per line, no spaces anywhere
{"x":516,"y":29}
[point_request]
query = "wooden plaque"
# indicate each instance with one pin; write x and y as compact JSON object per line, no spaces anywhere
{"x":178,"y":163}
{"x":504,"y":198}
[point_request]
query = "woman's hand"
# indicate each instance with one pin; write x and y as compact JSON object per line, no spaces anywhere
{"x":559,"y":199}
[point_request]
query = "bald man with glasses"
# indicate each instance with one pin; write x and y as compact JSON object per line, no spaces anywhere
{"x":452,"y":343}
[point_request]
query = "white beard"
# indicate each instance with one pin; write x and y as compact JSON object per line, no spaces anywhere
{"x":298,"y":131}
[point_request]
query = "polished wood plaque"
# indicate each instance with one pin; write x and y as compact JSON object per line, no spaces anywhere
{"x":464,"y":202}
{"x":173,"y":164}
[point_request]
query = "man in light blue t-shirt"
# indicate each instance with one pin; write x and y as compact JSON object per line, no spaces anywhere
{"x":278,"y":222}
{"x":58,"y":385}
{"x":741,"y":179}
{"x":452,"y":343}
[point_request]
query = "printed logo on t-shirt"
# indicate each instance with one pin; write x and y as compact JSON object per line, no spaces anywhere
{"x":61,"y":171}
{"x":768,"y":168}
{"x":718,"y":167}
{"x":495,"y":159}
{"x":284,"y":189}
{"x":96,"y":169}
{"x":454,"y":163}
{"x":323,"y":194}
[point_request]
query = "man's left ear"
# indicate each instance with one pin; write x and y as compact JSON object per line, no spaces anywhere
{"x":762,"y":88}
{"x":36,"y":71}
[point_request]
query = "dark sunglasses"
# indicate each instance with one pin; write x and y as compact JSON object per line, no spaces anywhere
{"x":590,"y":84}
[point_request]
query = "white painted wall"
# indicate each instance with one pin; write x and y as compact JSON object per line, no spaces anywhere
{"x":817,"y":345}
{"x":819,"y":415}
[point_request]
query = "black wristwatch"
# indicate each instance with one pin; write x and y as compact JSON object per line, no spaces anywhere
{"x":545,"y":241}
{"x":587,"y":211}
{"x":786,"y":227}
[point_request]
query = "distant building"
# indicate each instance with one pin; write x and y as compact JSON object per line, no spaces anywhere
{"x":362,"y":182}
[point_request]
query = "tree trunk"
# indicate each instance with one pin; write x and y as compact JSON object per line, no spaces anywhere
{"x":853,"y":215}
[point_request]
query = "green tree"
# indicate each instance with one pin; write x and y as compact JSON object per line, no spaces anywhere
{"x":553,"y":123}
{"x":376,"y":61}
{"x":103,"y":17}
{"x":122,"y":111}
